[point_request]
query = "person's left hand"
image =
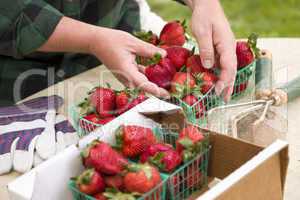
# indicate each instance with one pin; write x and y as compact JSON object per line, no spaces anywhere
{"x":216,"y":42}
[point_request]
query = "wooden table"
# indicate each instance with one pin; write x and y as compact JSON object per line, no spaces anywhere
{"x":286,"y":59}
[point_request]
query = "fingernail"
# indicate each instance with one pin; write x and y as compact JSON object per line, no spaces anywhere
{"x":207,"y":63}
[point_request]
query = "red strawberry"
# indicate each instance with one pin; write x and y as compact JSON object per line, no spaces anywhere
{"x":149,"y":37}
{"x":189,"y":142}
{"x":246,"y":51}
{"x":178,"y":56}
{"x":114,"y":182}
{"x":103,"y":99}
{"x":193,"y":176}
{"x":100,"y":196}
{"x":90,"y":182}
{"x":141,"y":178}
{"x":94,"y":119}
{"x":194,"y":65}
{"x":162,"y":156}
{"x":134,"y":140}
{"x":182,"y":84}
{"x":208,"y":80}
{"x":103,"y":158}
{"x":153,"y":149}
{"x":161,"y":72}
{"x":127,"y":99}
{"x":191,"y":100}
{"x":173,"y":33}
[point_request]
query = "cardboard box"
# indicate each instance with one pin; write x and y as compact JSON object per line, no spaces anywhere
{"x":243,"y":170}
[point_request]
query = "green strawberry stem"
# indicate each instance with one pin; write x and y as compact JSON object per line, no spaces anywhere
{"x":252,"y":42}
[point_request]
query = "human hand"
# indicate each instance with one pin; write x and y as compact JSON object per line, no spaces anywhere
{"x":118,"y":50}
{"x":216,"y":42}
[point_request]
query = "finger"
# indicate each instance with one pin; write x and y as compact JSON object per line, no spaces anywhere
{"x":141,"y":81}
{"x":205,"y":42}
{"x":148,"y":50}
{"x":226,"y":80}
{"x":141,"y":68}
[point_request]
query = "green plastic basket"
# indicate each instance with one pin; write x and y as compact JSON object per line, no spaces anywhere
{"x":197,"y":113}
{"x":189,"y":177}
{"x":157,"y":193}
{"x":243,"y":80}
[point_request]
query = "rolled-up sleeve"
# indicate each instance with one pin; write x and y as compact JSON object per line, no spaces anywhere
{"x":25,"y":25}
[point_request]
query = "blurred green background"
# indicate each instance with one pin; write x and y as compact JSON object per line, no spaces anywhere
{"x":268,"y":18}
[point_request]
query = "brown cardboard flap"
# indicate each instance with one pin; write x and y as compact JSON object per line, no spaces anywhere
{"x":262,"y":183}
{"x":228,"y":154}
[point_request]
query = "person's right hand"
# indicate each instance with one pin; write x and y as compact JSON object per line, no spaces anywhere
{"x":117,"y":50}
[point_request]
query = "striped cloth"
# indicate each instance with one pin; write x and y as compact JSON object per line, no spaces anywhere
{"x":31,"y":128}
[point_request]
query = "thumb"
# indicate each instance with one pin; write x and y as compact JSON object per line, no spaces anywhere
{"x":148,"y":50}
{"x":206,"y":47}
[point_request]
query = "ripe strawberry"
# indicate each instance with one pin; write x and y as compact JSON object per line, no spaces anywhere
{"x":182,"y":84}
{"x":194,"y":65}
{"x":162,"y":156}
{"x":134,"y":140}
{"x":95,"y":120}
{"x":240,"y":87}
{"x":90,"y":182}
{"x":103,"y":99}
{"x":149,"y":37}
{"x":114,"y":182}
{"x":141,"y":178}
{"x":173,"y":33}
{"x":161,"y":72}
{"x":100,"y":196}
{"x":189,"y":142}
{"x":103,"y":158}
{"x":178,"y":56}
{"x":246,"y":51}
{"x":208,"y":79}
{"x":127,"y":99}
{"x":191,"y":100}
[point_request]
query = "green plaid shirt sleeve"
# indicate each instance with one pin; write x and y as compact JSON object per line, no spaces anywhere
{"x":25,"y":25}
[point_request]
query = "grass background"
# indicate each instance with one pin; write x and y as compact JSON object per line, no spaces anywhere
{"x":268,"y":18}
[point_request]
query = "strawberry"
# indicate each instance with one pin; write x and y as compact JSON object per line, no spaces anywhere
{"x":103,"y":99}
{"x":162,"y":156}
{"x":133,"y":140}
{"x":103,"y":158}
{"x":182,"y":84}
{"x":247,"y":51}
{"x":240,"y":87}
{"x":193,"y":177}
{"x":208,"y":80}
{"x":178,"y":56}
{"x":149,"y":37}
{"x":173,"y":33}
{"x":100,"y":196}
{"x":141,"y":178}
{"x":191,"y":100}
{"x":95,"y":120}
{"x":114,"y":182}
{"x":194,"y":65}
{"x":189,"y":142}
{"x":90,"y":182}
{"x":127,"y":99}
{"x":160,"y":72}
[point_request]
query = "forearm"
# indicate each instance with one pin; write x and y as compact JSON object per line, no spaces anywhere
{"x":70,"y":36}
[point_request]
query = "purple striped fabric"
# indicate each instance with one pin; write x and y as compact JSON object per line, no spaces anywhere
{"x":34,"y":105}
{"x":64,"y":127}
{"x":22,"y":118}
{"x":6,"y":141}
{"x":25,"y":137}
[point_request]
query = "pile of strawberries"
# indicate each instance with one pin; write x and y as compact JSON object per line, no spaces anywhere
{"x":181,"y":71}
{"x":109,"y":174}
{"x":103,"y":104}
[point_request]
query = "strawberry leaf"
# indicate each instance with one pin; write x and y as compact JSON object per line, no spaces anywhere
{"x":252,"y":42}
{"x":186,"y":142}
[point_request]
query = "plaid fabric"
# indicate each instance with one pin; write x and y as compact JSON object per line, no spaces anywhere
{"x":26,"y":24}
